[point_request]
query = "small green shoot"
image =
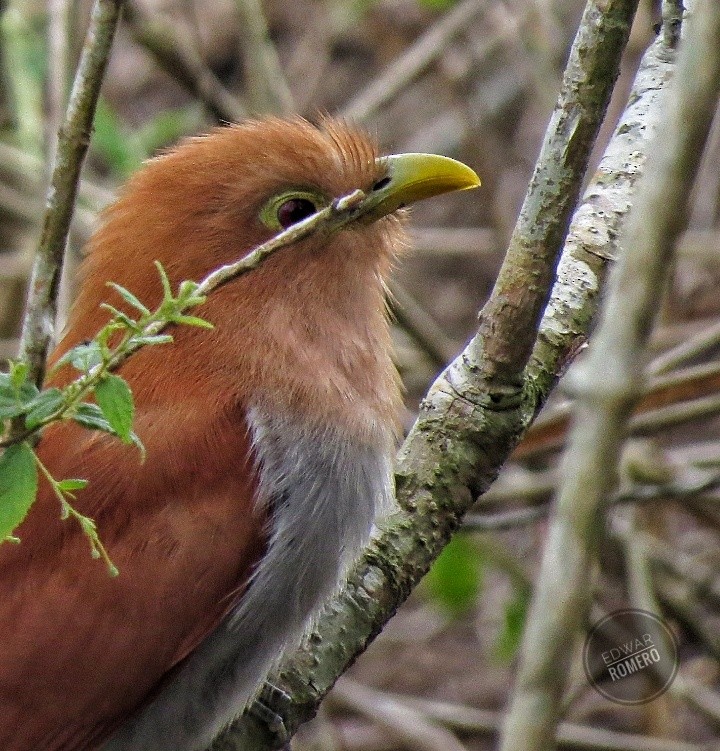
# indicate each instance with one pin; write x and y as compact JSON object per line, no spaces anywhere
{"x":97,"y":399}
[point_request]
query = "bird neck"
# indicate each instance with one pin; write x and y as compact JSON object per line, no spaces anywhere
{"x":306,"y":333}
{"x":314,"y":341}
{"x":303,"y":334}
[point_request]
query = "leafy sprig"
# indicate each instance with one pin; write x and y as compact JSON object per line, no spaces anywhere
{"x":25,"y":410}
{"x":111,"y":411}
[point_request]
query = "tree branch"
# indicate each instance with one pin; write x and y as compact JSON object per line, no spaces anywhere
{"x":609,"y":385}
{"x":509,"y":321}
{"x":475,"y":721}
{"x":593,"y":243}
{"x":469,"y":421}
{"x":72,"y":146}
{"x":179,"y":59}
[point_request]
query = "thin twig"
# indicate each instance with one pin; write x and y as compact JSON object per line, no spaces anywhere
{"x":686,"y":583}
{"x":29,"y":167}
{"x":29,"y":208}
{"x":593,"y":242}
{"x":72,"y":147}
{"x":18,"y":204}
{"x":705,"y":340}
{"x":697,"y":695}
{"x":669,"y":399}
{"x":58,"y":87}
{"x":411,"y":727}
{"x":679,"y":490}
{"x":58,"y":71}
{"x":673,"y":415}
{"x":421,"y":326}
{"x":509,"y":321}
{"x":641,"y":592}
{"x":699,"y":573}
{"x":518,"y":485}
{"x":266,"y":90}
{"x":690,"y":608}
{"x":505,"y":520}
{"x":402,"y":71}
{"x":466,"y":719}
{"x":339,"y":213}
{"x":181,"y":60}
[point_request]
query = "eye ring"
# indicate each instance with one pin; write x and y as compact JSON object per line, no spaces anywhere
{"x":290,"y":207}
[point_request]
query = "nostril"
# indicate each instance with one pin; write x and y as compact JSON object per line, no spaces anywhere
{"x":381,"y":183}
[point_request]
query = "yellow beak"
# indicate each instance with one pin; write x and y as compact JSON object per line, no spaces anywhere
{"x":412,"y":177}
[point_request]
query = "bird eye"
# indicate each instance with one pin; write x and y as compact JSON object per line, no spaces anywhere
{"x":294,"y":210}
{"x":290,"y":207}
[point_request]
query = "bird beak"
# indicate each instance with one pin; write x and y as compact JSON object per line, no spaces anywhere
{"x":412,"y":177}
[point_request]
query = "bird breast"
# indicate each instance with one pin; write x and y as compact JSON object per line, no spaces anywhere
{"x":323,"y":492}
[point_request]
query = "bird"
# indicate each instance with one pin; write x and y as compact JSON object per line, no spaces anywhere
{"x":269,"y":441}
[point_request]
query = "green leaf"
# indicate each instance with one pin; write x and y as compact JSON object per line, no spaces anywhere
{"x":120,"y":319}
{"x":129,"y":298}
{"x":151,"y":339}
{"x":83,"y":357}
{"x":514,"y":618}
{"x":188,"y":294}
{"x":455,"y":579}
{"x":43,"y":406}
{"x":200,"y":323}
{"x":18,"y":373}
{"x":116,"y":402}
{"x":27,"y":392}
{"x":91,"y":416}
{"x":18,"y":486}
{"x":188,"y":288}
{"x":167,"y":289}
{"x":15,"y":383}
{"x":15,"y":396}
{"x":72,"y":484}
{"x":10,"y":407}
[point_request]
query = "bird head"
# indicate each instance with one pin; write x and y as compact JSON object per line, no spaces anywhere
{"x":210,"y":200}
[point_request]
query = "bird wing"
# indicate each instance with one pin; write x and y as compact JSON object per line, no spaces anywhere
{"x":82,"y":649}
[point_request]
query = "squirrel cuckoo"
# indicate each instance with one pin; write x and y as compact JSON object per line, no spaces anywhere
{"x":269,"y":442}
